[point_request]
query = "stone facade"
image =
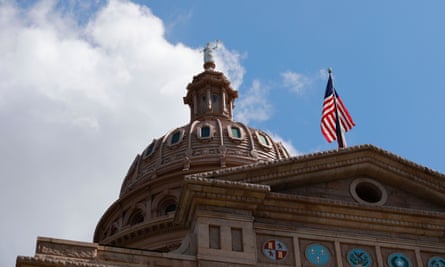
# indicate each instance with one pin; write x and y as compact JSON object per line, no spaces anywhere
{"x":295,"y":212}
{"x":216,"y":192}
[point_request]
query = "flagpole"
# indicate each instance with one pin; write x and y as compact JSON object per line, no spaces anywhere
{"x":341,"y":141}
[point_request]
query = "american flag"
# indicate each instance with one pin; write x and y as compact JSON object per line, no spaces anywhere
{"x":335,"y":117}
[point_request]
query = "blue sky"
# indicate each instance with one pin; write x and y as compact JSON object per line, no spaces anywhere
{"x":387,"y":59}
{"x":86,"y":85}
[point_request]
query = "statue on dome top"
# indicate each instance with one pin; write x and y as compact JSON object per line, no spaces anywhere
{"x":208,"y":52}
{"x":208,"y":55}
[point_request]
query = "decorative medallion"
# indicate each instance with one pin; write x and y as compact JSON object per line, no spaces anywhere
{"x":359,"y":258}
{"x":398,"y":260}
{"x":317,"y":254}
{"x":274,"y":249}
{"x":436,"y":262}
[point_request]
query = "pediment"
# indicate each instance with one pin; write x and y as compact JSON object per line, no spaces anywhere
{"x":366,"y":191}
{"x":329,"y":175}
{"x":360,"y":188}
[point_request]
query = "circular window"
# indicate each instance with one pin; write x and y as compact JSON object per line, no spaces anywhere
{"x":368,"y":191}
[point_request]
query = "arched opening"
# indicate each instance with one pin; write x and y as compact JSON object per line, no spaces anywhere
{"x":167,"y":206}
{"x":136,"y":218}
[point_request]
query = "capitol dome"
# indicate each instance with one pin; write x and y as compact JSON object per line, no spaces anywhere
{"x":143,"y":215}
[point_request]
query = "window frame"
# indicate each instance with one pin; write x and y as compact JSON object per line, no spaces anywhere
{"x":199,"y":132}
{"x":181,"y":132}
{"x":260,"y":136}
{"x":153,"y":146}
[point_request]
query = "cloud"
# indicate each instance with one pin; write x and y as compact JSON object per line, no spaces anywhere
{"x":287,"y":143}
{"x":254,"y":104}
{"x":79,"y":97}
{"x":229,"y":62}
{"x":296,"y":82}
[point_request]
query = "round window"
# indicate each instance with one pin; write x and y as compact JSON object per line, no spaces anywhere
{"x":368,"y":191}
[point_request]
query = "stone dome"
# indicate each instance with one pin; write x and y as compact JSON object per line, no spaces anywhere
{"x":142,"y":217}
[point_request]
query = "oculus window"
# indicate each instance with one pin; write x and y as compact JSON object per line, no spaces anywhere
{"x":368,"y":191}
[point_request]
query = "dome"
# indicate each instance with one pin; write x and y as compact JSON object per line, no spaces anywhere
{"x":142,"y":217}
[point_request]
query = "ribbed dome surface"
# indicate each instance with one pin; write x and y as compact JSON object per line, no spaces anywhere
{"x":185,"y":150}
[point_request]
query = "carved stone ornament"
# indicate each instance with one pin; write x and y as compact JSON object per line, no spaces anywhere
{"x":66,"y":250}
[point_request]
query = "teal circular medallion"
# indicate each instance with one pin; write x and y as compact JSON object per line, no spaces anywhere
{"x":359,"y":258}
{"x":436,"y":262}
{"x":398,"y":260}
{"x":317,"y":254}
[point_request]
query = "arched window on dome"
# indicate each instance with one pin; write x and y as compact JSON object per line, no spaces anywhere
{"x":167,"y":206}
{"x":136,"y":217}
{"x":170,"y":208}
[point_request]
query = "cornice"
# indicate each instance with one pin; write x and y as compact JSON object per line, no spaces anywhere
{"x":140,"y":231}
{"x":363,"y":160}
{"x":335,"y":213}
{"x":214,"y":192}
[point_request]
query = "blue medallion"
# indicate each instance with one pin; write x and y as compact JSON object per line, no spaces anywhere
{"x":398,"y":260}
{"x":317,"y":254}
{"x":359,"y":258}
{"x":436,"y":262}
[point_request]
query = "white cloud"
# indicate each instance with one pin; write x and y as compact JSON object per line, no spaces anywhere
{"x":287,"y":143}
{"x":296,"y":82}
{"x":229,"y":62}
{"x":254,"y":104}
{"x":77,"y":102}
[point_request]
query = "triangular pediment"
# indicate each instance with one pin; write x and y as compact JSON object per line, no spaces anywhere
{"x":361,"y":188}
{"x":366,"y":191}
{"x":331,"y":174}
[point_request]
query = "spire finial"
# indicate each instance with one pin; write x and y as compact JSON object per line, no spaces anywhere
{"x":330,"y":70}
{"x":209,"y":63}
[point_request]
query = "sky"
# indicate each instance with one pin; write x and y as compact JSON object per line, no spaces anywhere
{"x":86,"y":85}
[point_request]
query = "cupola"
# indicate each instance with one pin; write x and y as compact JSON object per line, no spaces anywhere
{"x":210,"y":93}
